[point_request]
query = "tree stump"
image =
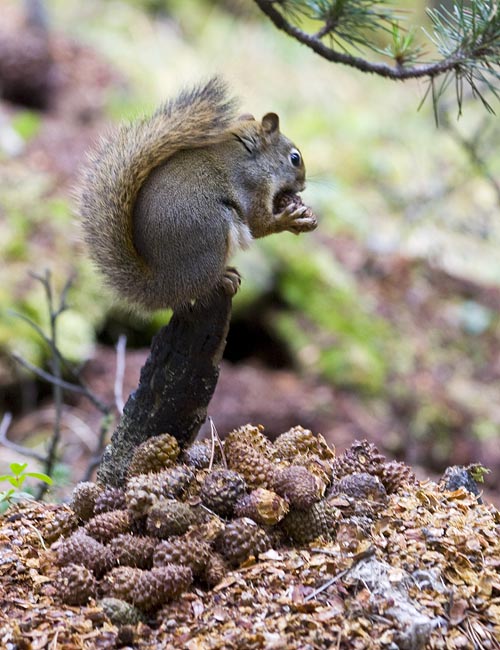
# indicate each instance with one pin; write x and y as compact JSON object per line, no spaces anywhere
{"x":176,"y":384}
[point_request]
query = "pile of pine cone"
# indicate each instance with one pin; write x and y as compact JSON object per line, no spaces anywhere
{"x":191,"y":516}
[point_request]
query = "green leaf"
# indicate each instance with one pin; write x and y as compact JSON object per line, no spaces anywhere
{"x":6,"y":495}
{"x":478,"y":472}
{"x":40,"y":476}
{"x":18,"y":468}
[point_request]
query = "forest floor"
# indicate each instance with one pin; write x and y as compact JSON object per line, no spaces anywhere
{"x":417,"y":568}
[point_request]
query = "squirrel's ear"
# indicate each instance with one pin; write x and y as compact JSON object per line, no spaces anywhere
{"x":271,"y":123}
{"x":246,"y":117}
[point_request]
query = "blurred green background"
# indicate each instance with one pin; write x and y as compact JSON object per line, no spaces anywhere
{"x":394,"y":299}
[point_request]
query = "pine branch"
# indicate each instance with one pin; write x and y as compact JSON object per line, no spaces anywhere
{"x":466,"y":37}
{"x":473,"y":34}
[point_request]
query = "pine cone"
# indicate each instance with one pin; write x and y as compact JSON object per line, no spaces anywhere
{"x":263,"y":506}
{"x":293,"y":202}
{"x":170,"y":517}
{"x":299,"y":441}
{"x":360,"y":457}
{"x":141,"y":493}
{"x":396,"y":475}
{"x":221,"y":489}
{"x":298,"y":486}
{"x":107,"y":525}
{"x":83,"y":499}
{"x":240,"y":539}
{"x":174,"y":481}
{"x":192,"y":493}
{"x":314,"y":464}
{"x":251,"y":464}
{"x":362,"y":493}
{"x":253,"y":437}
{"x":80,"y":548}
{"x":188,"y":550}
{"x":62,"y":524}
{"x":160,"y":585}
{"x":361,"y":487}
{"x":120,"y":582}
{"x":215,"y":569}
{"x":209,"y":530}
{"x":199,"y":454}
{"x":120,"y":612}
{"x":145,"y":490}
{"x":110,"y":498}
{"x":154,"y":455}
{"x":76,"y":585}
{"x":304,"y":526}
{"x":133,"y":550}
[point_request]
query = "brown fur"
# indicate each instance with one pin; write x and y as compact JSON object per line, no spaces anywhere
{"x":165,"y":200}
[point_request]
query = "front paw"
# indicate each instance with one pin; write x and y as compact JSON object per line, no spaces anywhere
{"x":297,"y":219}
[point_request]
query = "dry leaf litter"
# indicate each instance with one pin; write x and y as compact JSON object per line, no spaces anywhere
{"x":258,"y":544}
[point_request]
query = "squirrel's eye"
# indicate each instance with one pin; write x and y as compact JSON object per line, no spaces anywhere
{"x":295,"y":158}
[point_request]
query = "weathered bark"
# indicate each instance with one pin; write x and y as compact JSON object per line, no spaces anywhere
{"x":176,"y":384}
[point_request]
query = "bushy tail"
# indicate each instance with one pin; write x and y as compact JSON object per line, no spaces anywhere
{"x":119,"y":166}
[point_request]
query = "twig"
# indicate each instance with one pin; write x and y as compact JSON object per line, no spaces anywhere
{"x":54,"y":314}
{"x":46,"y":281}
{"x":57,"y":362}
{"x":54,"y":644}
{"x":399,"y":73}
{"x":4,"y":427}
{"x":326,"y":584}
{"x":5,"y":424}
{"x":80,"y":388}
{"x":101,"y":406}
{"x":67,"y":367}
{"x":32,"y":324}
{"x":215,"y":439}
{"x":121,"y":347}
{"x":357,"y":558}
{"x":107,"y":419}
{"x":476,"y":640}
{"x":325,"y":551}
{"x":38,"y":534}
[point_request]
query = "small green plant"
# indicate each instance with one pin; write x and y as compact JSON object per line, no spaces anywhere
{"x":16,"y":478}
{"x":477,"y":472}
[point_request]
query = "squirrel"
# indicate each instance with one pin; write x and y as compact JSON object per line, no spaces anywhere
{"x":165,"y":201}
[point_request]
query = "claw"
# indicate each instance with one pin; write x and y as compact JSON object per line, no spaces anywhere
{"x":231,"y":281}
